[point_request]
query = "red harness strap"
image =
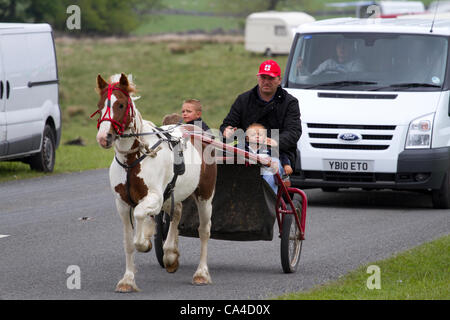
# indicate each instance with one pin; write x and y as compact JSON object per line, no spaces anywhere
{"x":119,"y":127}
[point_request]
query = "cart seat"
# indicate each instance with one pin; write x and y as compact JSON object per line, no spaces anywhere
{"x":243,"y":206}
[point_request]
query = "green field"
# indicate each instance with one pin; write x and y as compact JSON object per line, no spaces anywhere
{"x":217,"y":5}
{"x":165,"y":23}
{"x":193,"y":5}
{"x":170,"y":23}
{"x":422,"y":273}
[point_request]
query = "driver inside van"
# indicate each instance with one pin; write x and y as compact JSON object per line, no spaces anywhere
{"x":343,"y":60}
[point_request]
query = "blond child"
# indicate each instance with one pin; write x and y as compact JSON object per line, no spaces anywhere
{"x":191,"y":110}
{"x":257,"y":140}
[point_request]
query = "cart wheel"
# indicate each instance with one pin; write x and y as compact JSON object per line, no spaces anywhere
{"x":162,"y":228}
{"x":291,"y":245}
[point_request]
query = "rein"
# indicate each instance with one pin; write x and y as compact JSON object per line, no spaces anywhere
{"x":132,"y":135}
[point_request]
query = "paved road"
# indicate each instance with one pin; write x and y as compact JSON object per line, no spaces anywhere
{"x":41,"y":219}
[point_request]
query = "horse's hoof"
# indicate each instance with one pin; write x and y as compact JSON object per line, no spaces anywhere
{"x":171,"y":261}
{"x":200,"y":281}
{"x":145,"y":247}
{"x":126,"y":288}
{"x":201,"y":277}
{"x":173,"y":267}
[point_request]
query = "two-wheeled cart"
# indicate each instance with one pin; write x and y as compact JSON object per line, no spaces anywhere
{"x":245,"y":207}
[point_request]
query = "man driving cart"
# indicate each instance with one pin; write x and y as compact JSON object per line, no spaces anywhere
{"x":270,"y":105}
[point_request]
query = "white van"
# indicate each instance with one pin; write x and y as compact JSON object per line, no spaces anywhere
{"x":272,"y":32}
{"x":30,"y":116}
{"x":374,"y":98}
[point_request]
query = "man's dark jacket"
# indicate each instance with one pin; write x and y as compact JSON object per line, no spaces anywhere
{"x":281,"y":113}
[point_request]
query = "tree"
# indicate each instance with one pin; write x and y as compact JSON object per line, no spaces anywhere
{"x":50,"y":11}
{"x":12,"y":10}
{"x":97,"y":16}
{"x":272,"y":5}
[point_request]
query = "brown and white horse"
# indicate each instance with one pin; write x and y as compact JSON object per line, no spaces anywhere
{"x":142,"y":168}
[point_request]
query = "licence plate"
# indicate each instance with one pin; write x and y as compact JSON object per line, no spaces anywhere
{"x":348,"y":165}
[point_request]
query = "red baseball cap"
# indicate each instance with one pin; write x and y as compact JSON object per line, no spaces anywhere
{"x":270,"y":68}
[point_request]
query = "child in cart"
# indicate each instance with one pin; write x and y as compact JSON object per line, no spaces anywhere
{"x":191,"y":110}
{"x":257,"y":142}
{"x":191,"y":113}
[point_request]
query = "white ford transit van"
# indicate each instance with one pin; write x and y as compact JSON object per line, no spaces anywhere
{"x":30,"y":116}
{"x":374,"y":98}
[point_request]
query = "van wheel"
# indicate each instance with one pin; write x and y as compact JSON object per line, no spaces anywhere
{"x":45,"y":159}
{"x":268,"y":53}
{"x":441,"y":197}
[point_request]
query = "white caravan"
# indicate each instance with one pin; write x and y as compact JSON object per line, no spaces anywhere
{"x":30,"y":117}
{"x":374,"y":98}
{"x":272,"y":32}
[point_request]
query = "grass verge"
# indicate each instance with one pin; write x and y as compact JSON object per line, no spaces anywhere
{"x":422,"y":273}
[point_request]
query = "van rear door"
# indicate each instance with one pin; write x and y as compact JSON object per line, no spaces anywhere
{"x":24,"y":117}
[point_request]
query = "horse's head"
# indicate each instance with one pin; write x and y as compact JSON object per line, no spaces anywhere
{"x":115,"y":108}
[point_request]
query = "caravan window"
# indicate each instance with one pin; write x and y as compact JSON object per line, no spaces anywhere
{"x":280,"y":31}
{"x":368,"y":61}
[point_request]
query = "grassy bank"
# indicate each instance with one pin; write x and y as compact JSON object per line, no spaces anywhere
{"x":421,"y":273}
{"x":180,"y":23}
{"x":215,"y":73}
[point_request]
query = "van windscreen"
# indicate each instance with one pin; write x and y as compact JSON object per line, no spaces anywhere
{"x":356,"y":61}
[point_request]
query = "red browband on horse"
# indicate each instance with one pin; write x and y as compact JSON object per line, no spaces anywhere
{"x":118,"y":127}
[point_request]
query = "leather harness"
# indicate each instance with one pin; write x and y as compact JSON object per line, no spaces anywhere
{"x":178,"y":166}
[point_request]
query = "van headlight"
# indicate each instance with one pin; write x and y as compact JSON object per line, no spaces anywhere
{"x":419,"y":132}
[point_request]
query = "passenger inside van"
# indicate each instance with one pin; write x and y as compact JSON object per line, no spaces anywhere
{"x":426,"y":61}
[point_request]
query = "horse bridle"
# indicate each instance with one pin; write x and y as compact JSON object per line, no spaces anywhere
{"x":119,"y":127}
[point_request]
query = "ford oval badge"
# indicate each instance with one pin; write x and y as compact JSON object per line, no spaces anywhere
{"x":349,"y":137}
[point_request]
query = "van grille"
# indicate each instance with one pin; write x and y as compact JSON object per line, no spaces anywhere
{"x":349,"y":126}
{"x":373,"y":137}
{"x":356,"y":95}
{"x":351,"y":176}
{"x":364,"y":136}
{"x":349,"y":146}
